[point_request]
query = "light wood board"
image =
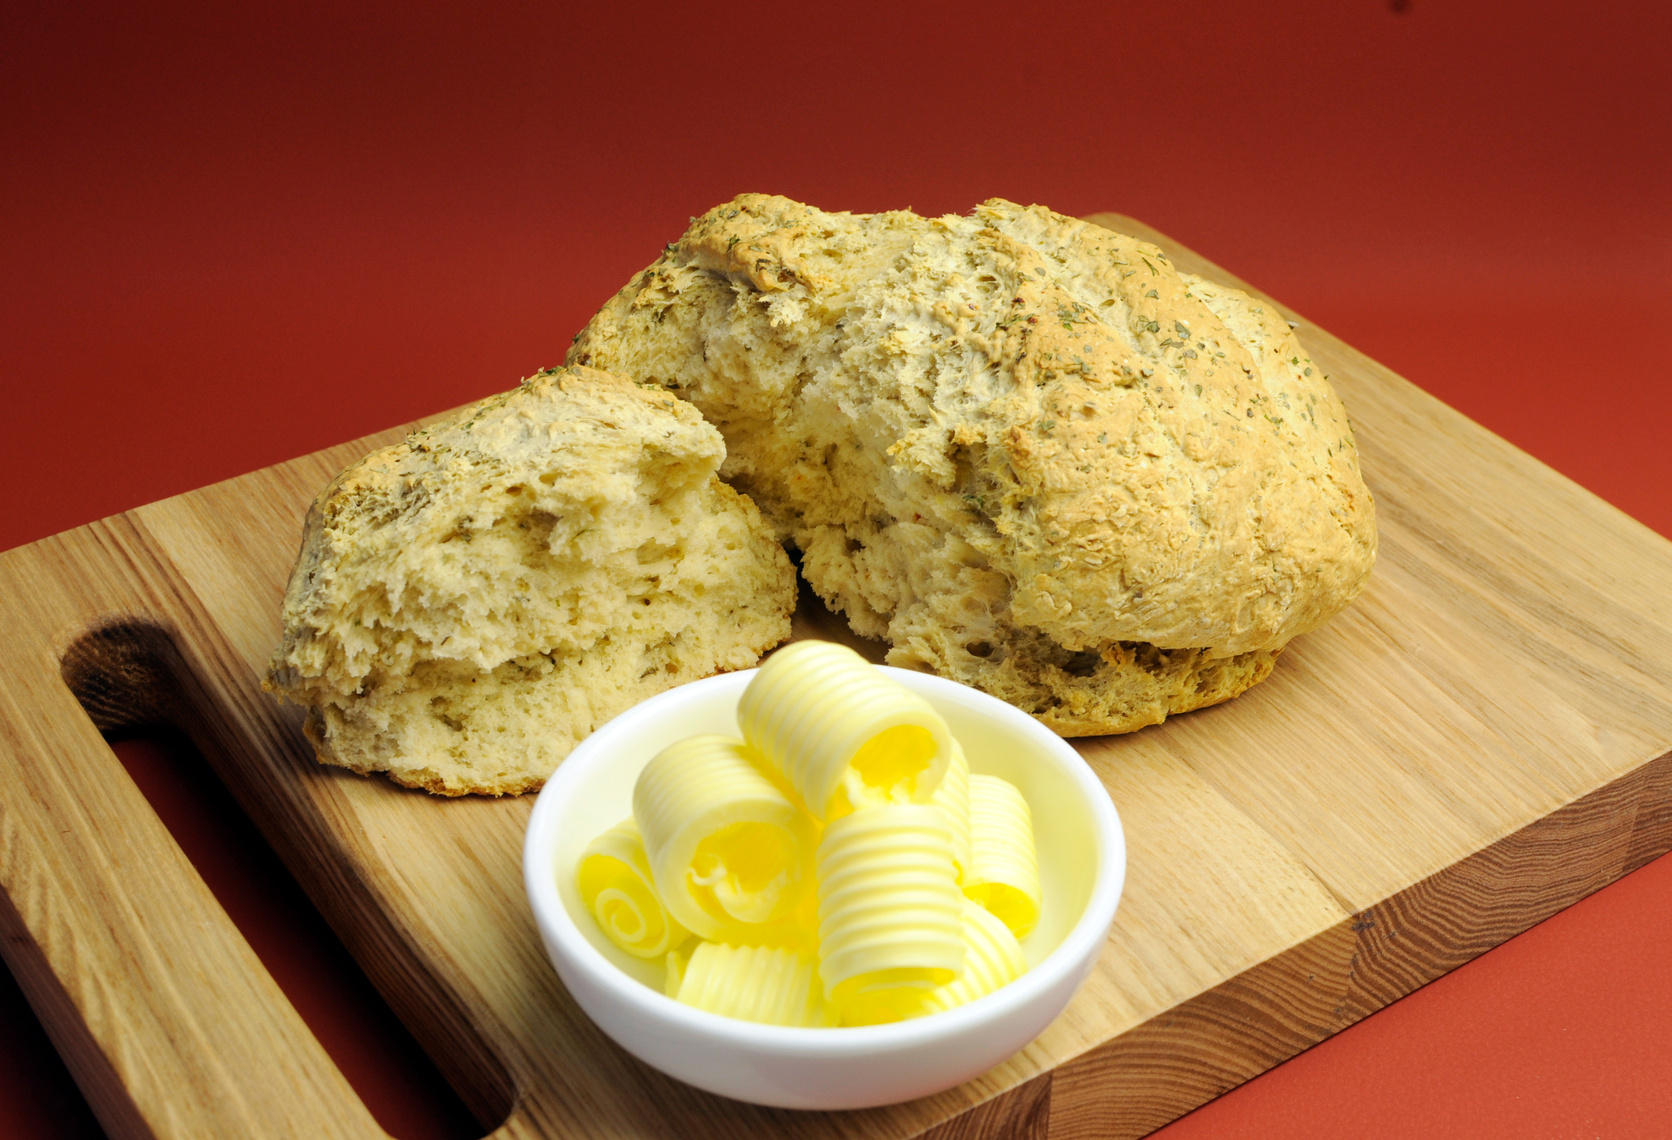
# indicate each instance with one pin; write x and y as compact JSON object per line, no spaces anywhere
{"x":1483,"y":739}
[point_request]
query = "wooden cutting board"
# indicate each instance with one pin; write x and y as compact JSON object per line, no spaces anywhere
{"x":1483,"y":739}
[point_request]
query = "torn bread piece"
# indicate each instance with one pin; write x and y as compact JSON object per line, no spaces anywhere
{"x":469,"y":604}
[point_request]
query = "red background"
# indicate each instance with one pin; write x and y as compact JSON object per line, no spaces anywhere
{"x":234,"y":234}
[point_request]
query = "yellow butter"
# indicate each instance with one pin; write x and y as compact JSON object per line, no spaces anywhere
{"x":992,"y":958}
{"x":890,"y":925}
{"x":616,"y":886}
{"x":771,"y":984}
{"x":730,"y":855}
{"x":908,"y":899}
{"x":1004,"y":867}
{"x":842,"y":733}
{"x":952,"y":796}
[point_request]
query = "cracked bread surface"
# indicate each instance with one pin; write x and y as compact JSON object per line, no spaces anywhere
{"x":1026,"y":450}
{"x":469,"y":604}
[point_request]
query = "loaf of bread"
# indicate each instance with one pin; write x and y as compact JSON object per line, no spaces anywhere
{"x":471,"y":603}
{"x":1026,"y":450}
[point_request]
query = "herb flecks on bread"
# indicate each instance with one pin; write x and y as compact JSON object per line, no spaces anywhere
{"x":471,"y":603}
{"x":1026,"y":450}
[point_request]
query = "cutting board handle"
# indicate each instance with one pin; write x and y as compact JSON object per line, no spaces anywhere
{"x":166,"y":1017}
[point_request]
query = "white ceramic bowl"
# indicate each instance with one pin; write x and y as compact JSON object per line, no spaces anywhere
{"x":1082,"y":861}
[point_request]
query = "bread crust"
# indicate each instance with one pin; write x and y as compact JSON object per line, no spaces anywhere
{"x":472,"y":602}
{"x":1026,"y":450}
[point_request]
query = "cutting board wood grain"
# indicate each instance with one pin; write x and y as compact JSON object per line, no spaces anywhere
{"x":1483,"y":739}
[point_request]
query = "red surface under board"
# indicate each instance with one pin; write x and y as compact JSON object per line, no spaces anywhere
{"x":232,"y":234}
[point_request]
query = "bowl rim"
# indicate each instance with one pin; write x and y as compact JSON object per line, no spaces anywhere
{"x":647,"y":1004}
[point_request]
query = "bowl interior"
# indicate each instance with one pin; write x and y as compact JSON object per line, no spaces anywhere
{"x":595,"y":790}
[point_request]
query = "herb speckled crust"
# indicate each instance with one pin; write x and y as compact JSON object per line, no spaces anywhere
{"x":471,"y":603}
{"x":1026,"y":450}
